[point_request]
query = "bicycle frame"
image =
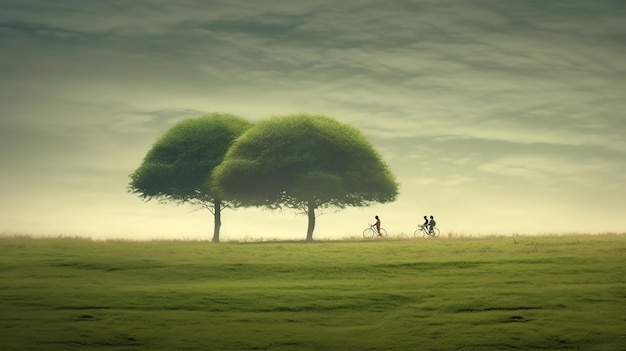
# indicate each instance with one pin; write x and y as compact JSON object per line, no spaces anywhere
{"x":371,"y":232}
{"x":426,"y":231}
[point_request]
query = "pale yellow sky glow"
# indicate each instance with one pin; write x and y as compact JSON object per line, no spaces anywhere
{"x":497,"y":117}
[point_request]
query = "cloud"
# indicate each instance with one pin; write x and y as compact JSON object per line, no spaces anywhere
{"x":461,"y":97}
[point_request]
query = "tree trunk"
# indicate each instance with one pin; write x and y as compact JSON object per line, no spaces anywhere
{"x":217,"y":204}
{"x":311,"y":214}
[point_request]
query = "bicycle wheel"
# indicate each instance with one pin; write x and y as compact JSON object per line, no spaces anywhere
{"x":435,"y":233}
{"x":368,"y":233}
{"x":383,"y":233}
{"x":419,"y":232}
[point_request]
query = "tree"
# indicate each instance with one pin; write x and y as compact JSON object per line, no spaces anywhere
{"x":178,"y":166}
{"x":304,"y":162}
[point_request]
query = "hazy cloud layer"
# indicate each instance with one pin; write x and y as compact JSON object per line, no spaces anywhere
{"x":476,"y":105}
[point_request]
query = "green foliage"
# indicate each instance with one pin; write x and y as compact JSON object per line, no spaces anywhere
{"x":522,"y":293}
{"x":179,"y":164}
{"x":301,"y":160}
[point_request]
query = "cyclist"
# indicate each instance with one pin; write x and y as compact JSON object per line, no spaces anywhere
{"x":377,"y":225}
{"x":425,"y":223}
{"x":431,"y":224}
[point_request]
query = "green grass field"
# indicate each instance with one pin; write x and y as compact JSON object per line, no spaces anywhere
{"x":509,"y":293}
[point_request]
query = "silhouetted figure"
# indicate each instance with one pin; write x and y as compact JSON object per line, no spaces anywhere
{"x":431,"y":224}
{"x":425,"y":222}
{"x":377,"y":225}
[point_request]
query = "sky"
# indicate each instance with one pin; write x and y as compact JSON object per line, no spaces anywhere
{"x":496,"y":117}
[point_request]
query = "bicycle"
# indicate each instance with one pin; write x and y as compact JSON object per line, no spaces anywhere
{"x":371,"y":232}
{"x":424,"y":231}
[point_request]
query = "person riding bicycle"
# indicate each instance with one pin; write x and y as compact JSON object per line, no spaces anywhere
{"x":431,"y":224}
{"x":377,"y":225}
{"x":425,"y":223}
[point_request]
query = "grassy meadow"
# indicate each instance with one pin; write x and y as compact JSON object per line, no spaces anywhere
{"x":506,"y":293}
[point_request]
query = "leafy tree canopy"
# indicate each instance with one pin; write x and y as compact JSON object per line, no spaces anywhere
{"x":304,"y":161}
{"x":179,"y":164}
